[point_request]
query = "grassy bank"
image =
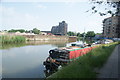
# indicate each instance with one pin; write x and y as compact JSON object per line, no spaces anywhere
{"x":85,"y":66}
{"x":11,"y":39}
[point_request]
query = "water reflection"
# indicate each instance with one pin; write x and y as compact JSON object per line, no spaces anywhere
{"x":27,"y":61}
{"x":57,"y":43}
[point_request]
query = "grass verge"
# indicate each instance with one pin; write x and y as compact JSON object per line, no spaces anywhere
{"x":85,"y":66}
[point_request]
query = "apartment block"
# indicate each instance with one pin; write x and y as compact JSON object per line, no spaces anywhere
{"x":61,"y":29}
{"x":111,"y":27}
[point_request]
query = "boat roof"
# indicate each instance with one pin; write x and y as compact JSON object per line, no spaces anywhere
{"x":72,"y":48}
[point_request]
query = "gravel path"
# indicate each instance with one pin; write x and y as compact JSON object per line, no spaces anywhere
{"x":110,"y":69}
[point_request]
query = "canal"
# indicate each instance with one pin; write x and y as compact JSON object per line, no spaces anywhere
{"x":26,"y":60}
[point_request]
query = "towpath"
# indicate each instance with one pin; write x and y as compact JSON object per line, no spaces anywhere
{"x":110,"y":69}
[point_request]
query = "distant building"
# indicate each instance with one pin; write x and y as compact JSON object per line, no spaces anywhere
{"x":61,"y":29}
{"x":46,"y":31}
{"x":111,"y":27}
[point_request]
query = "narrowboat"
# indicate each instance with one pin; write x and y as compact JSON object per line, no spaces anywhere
{"x":62,"y":56}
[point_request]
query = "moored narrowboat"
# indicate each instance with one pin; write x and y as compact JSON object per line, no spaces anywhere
{"x":62,"y":56}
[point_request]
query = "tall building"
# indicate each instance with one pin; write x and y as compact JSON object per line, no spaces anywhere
{"x":61,"y":29}
{"x":111,"y":27}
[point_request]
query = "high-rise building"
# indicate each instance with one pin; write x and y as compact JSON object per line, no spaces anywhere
{"x":111,"y":27}
{"x":61,"y":29}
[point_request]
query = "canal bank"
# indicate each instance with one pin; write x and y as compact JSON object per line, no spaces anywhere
{"x":85,"y":66}
{"x":49,"y":38}
{"x":45,"y":38}
{"x":7,"y":38}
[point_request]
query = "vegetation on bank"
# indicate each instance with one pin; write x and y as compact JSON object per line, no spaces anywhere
{"x":34,"y":30}
{"x":86,"y":65}
{"x":87,"y":34}
{"x":11,"y":39}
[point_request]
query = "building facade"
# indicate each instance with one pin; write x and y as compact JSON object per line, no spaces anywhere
{"x":61,"y":29}
{"x":111,"y":27}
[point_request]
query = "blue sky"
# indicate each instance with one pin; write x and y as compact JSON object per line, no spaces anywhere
{"x":44,"y":15}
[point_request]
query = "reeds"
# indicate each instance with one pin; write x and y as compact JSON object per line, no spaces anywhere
{"x":4,"y":39}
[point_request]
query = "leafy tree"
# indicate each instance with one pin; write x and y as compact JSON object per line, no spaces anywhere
{"x":112,"y":7}
{"x":70,"y":33}
{"x":12,"y":30}
{"x":20,"y":30}
{"x":35,"y":31}
{"x":5,"y":30}
{"x":90,"y":34}
{"x":83,"y":34}
{"x":78,"y":34}
{"x":26,"y":31}
{"x":98,"y":34}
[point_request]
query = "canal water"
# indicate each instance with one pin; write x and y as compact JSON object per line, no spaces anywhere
{"x":26,"y":60}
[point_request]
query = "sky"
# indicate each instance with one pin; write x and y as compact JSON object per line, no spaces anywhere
{"x":29,"y":14}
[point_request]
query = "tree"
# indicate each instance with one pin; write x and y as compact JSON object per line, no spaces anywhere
{"x":20,"y":30}
{"x":12,"y":30}
{"x":83,"y":34}
{"x":98,"y":34}
{"x":78,"y":34}
{"x":70,"y":33}
{"x":35,"y":31}
{"x":5,"y":30}
{"x":27,"y":31}
{"x":112,"y":7}
{"x":90,"y":34}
